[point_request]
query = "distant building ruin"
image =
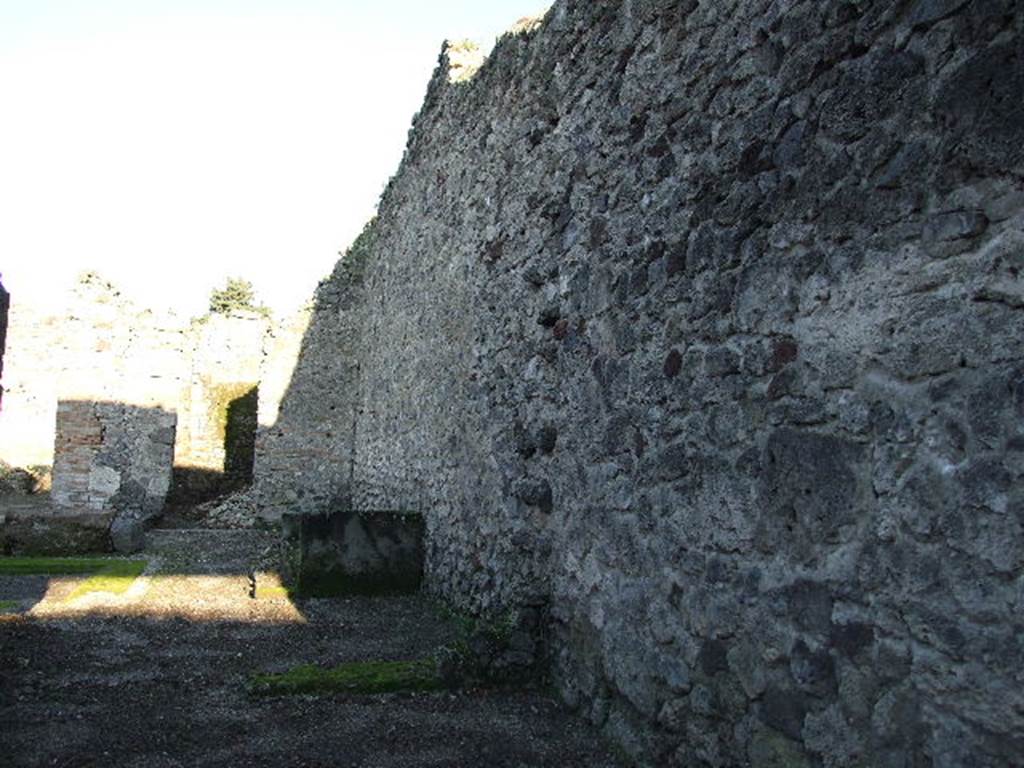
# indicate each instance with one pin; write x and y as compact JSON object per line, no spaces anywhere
{"x":130,"y":372}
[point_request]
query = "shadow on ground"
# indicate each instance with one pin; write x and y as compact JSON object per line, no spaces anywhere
{"x":159,"y":680}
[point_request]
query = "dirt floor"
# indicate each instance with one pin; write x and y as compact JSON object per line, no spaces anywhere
{"x":158,"y":676}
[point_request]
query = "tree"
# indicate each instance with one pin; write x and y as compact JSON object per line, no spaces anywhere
{"x":237,"y":294}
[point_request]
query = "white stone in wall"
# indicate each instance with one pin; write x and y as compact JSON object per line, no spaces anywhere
{"x":104,"y":482}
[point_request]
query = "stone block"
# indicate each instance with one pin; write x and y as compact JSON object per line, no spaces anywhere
{"x":351,"y":552}
{"x":38,"y":532}
{"x":127,"y":535}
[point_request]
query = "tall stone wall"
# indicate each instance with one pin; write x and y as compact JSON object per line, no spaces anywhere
{"x":704,"y":320}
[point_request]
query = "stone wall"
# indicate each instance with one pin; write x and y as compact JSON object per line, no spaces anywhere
{"x":703,"y":319}
{"x":100,"y":348}
{"x":224,"y":361}
{"x":304,"y":459}
{"x":31,"y":372}
{"x":112,"y":457}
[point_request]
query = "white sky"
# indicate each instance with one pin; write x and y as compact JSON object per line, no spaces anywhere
{"x":168,"y":144}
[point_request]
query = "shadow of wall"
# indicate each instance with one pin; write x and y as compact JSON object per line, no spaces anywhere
{"x":303,"y":459}
{"x":712,"y":338}
{"x":240,"y":426}
{"x":231,"y":419}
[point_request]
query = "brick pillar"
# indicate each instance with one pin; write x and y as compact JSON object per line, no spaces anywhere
{"x":78,"y":441}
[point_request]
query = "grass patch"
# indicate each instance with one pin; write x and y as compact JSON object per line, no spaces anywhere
{"x":357,"y":677}
{"x":9,"y":606}
{"x":54,"y":566}
{"x":115,"y":578}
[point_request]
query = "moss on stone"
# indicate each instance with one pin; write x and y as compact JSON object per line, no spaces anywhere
{"x":9,"y":606}
{"x":358,"y":678}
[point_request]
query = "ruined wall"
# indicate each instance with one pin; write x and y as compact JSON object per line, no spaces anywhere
{"x":31,"y":371}
{"x":105,"y":348}
{"x":704,"y":319}
{"x":101,"y":347}
{"x":109,"y":456}
{"x":224,"y":361}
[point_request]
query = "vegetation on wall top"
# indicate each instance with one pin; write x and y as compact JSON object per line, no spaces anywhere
{"x":237,"y":295}
{"x":352,"y":266}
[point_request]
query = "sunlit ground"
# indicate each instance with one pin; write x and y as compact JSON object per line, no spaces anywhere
{"x":197,"y":598}
{"x":161,"y":584}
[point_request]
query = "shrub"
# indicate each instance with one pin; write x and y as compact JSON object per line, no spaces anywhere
{"x":237,"y":295}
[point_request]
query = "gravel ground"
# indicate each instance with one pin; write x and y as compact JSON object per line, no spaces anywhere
{"x":157,"y":676}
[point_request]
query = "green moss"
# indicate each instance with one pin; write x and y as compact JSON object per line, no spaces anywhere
{"x":359,"y":678}
{"x":272,"y":593}
{"x":116,"y":578}
{"x":56,"y":566}
{"x":498,"y":627}
{"x":619,"y":753}
{"x":107,"y":575}
{"x":464,"y":624}
{"x":9,"y":606}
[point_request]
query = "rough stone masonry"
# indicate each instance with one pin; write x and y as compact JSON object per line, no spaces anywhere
{"x":704,"y":321}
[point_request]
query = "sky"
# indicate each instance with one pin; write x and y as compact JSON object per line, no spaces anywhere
{"x":170,"y":144}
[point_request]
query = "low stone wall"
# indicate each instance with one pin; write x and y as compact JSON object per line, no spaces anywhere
{"x":351,"y":552}
{"x":32,"y":526}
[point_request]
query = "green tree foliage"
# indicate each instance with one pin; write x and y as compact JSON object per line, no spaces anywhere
{"x":236,"y":295}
